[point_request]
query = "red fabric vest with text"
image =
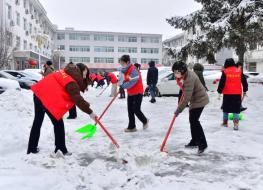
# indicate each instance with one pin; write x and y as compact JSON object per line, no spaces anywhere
{"x":138,"y":87}
{"x":233,"y":83}
{"x":52,"y":93}
{"x":113,"y":78}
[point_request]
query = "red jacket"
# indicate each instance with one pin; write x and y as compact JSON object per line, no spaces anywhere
{"x":52,"y":93}
{"x":138,"y":87}
{"x":233,"y":83}
{"x":113,"y":78}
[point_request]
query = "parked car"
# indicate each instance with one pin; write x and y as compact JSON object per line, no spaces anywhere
{"x":8,"y":84}
{"x":23,"y":82}
{"x":34,"y":73}
{"x":256,"y":79}
{"x":21,"y":74}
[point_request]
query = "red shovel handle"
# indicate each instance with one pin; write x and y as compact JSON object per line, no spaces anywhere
{"x":108,"y":133}
{"x":167,"y":134}
{"x":108,"y":106}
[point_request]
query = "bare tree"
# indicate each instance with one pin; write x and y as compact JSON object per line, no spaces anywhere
{"x":6,"y":49}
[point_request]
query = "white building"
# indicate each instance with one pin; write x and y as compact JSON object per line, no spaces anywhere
{"x":180,"y":40}
{"x":254,"y":60}
{"x":103,"y":49}
{"x":31,"y":32}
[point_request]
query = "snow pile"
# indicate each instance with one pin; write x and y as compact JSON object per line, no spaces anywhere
{"x":234,"y":160}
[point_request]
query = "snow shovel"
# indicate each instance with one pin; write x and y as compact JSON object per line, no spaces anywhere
{"x":90,"y":129}
{"x":102,"y":91}
{"x":170,"y":128}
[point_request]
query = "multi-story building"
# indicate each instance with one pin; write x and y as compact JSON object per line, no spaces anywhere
{"x":103,"y":49}
{"x":180,"y":40}
{"x":254,"y":60}
{"x":30,"y":32}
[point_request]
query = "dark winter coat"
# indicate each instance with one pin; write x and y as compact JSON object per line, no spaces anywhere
{"x":48,"y":70}
{"x":152,"y":74}
{"x":199,"y":69}
{"x":231,"y":103}
{"x":73,"y":88}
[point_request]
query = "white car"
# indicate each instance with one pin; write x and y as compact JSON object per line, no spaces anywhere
{"x":8,"y":84}
{"x":212,"y":80}
{"x":256,"y":79}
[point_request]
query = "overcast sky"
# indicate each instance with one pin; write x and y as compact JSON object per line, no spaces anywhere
{"x":140,"y":16}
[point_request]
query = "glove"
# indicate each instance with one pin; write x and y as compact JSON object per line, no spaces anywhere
{"x":176,"y":113}
{"x":93,"y":116}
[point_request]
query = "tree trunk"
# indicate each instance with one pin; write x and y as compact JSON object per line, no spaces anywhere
{"x":241,"y":56}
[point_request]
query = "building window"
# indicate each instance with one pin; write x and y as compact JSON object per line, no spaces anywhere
{"x":127,"y":38}
{"x":103,"y":60}
{"x":25,"y":3}
{"x":127,"y":49}
{"x":25,"y":24}
{"x":9,"y":38}
{"x":148,"y":39}
{"x":17,"y":19}
{"x":61,"y":47}
{"x":150,"y":50}
{"x":99,"y":37}
{"x":30,"y":28}
{"x":9,"y":12}
{"x":35,"y":30}
{"x":103,"y":49}
{"x":79,"y":48}
{"x":146,"y":61}
{"x":79,"y":59}
{"x":25,"y":45}
{"x":61,"y":36}
{"x":30,"y":46}
{"x":76,"y":36}
{"x":18,"y":42}
{"x":134,"y":60}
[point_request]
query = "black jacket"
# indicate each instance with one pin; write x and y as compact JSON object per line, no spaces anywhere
{"x":152,"y":75}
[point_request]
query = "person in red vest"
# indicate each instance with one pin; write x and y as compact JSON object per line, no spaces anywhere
{"x":111,"y":78}
{"x":93,"y":78}
{"x":133,"y":84}
{"x":231,"y":85}
{"x":100,"y":80}
{"x":55,"y":95}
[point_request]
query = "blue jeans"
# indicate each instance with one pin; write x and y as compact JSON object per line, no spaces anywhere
{"x":225,"y":116}
{"x":152,"y":89}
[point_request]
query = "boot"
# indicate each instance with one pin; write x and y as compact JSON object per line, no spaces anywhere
{"x":236,"y":124}
{"x":225,"y":123}
{"x":146,"y":125}
{"x":130,"y":130}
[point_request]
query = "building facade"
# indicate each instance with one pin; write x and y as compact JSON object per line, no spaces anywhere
{"x":31,"y":33}
{"x":254,"y":60}
{"x":180,"y":40}
{"x":103,"y":49}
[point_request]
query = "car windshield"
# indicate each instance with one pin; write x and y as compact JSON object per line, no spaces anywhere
{"x":15,"y":74}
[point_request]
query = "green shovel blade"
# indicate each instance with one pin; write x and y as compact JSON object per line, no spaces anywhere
{"x":89,"y":131}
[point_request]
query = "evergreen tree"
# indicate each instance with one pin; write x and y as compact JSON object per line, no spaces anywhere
{"x":236,"y":24}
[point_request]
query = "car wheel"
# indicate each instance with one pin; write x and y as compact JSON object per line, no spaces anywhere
{"x":146,"y":92}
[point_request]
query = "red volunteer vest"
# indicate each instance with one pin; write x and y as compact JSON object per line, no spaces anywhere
{"x":99,"y":77}
{"x":113,"y":78}
{"x":92,"y":76}
{"x":233,"y":83}
{"x":52,"y":93}
{"x":138,"y":87}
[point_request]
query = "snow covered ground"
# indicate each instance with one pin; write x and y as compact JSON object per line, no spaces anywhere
{"x":233,"y":161}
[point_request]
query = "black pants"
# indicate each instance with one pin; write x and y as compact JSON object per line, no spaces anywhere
{"x":122,"y":93}
{"x":59,"y":130}
{"x":198,"y":136}
{"x":134,"y":108}
{"x":100,"y":84}
{"x":73,"y":112}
